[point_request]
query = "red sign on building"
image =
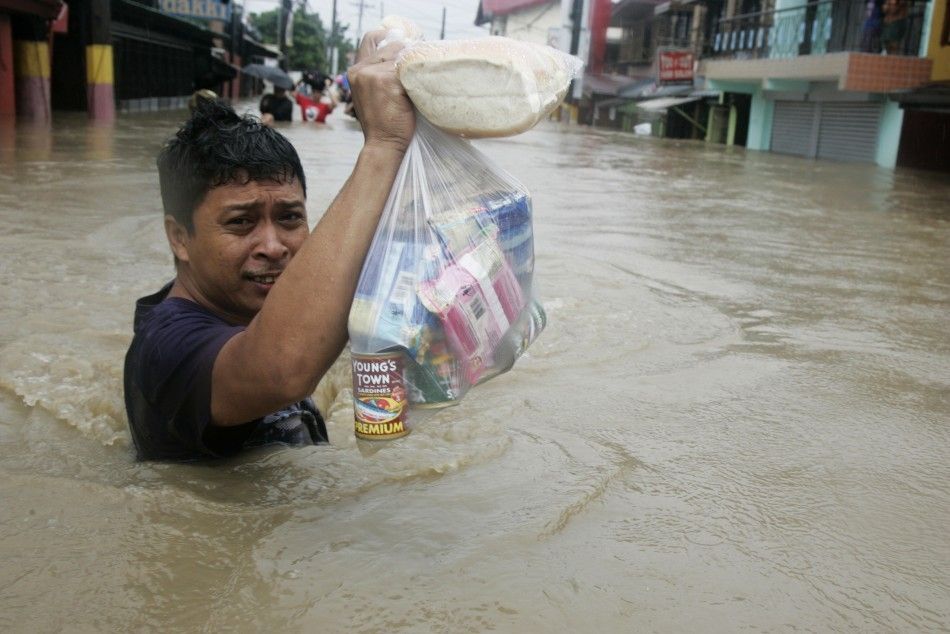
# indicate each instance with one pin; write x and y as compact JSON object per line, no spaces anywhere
{"x":674,"y":67}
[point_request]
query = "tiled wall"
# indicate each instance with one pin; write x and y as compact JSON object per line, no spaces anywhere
{"x":883,"y":73}
{"x":860,"y":72}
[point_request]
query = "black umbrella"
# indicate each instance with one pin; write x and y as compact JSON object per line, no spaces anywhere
{"x":274,"y":75}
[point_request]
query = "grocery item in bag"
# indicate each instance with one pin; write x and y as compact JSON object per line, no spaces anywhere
{"x":477,"y":299}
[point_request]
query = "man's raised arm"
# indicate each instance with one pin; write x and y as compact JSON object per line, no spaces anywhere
{"x":302,"y":325}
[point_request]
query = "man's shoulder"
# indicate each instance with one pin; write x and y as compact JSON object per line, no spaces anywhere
{"x":179,"y":311}
{"x":158,"y":310}
{"x":168,"y":328}
{"x":167,"y":375}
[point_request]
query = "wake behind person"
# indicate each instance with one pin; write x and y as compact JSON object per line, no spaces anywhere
{"x":226,"y":355}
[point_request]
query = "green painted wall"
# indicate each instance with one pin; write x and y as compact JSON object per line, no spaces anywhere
{"x":760,"y":114}
{"x":889,"y":134}
{"x":760,"y":123}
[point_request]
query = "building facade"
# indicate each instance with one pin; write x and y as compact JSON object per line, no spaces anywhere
{"x":537,"y":21}
{"x":25,"y":30}
{"x":848,"y":80}
{"x":818,"y":85}
{"x":103,"y":56}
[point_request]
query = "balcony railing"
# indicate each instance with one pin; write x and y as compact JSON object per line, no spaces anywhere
{"x":815,"y":28}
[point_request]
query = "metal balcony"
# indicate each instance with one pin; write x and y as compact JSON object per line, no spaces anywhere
{"x":815,"y":28}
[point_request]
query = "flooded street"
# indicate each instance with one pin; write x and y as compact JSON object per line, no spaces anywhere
{"x":738,"y":416}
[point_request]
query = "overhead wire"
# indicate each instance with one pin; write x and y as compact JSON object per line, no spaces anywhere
{"x":427,"y":15}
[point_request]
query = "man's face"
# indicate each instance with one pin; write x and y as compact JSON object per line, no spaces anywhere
{"x":244,"y":236}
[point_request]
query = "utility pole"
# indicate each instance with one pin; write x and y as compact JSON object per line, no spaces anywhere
{"x":234,"y":86}
{"x":576,"y":11}
{"x":580,"y":41}
{"x":285,"y":8}
{"x":331,"y":44}
{"x":442,"y":34}
{"x":359,"y":23}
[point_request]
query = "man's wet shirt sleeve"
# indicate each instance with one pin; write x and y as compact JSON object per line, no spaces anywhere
{"x":168,"y":382}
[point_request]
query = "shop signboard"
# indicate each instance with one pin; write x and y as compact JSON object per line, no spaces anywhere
{"x":674,"y":66}
{"x":200,"y":9}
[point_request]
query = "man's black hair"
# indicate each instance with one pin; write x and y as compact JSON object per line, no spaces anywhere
{"x":216,"y":147}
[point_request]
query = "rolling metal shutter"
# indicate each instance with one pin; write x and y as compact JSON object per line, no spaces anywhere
{"x":848,"y":131}
{"x":793,"y":126}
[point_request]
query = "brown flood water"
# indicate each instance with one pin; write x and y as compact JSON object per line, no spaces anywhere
{"x":737,"y":418}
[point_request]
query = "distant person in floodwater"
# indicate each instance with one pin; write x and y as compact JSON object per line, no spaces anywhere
{"x":226,"y":355}
{"x":201,"y":95}
{"x":316,"y":97}
{"x":276,"y":106}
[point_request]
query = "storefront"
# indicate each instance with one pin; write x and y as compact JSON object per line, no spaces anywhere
{"x":25,"y":27}
{"x":925,"y":136}
{"x":843,"y":131}
{"x":159,"y":59}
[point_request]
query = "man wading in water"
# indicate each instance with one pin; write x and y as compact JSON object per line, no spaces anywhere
{"x":227,"y":355}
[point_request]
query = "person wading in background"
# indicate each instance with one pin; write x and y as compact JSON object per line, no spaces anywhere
{"x":226,"y":355}
{"x":315,"y":96}
{"x":276,"y":106}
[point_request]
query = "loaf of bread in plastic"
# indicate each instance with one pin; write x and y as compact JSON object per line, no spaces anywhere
{"x":487,"y":87}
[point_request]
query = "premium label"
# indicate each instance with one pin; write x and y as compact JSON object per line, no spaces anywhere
{"x":379,"y":396}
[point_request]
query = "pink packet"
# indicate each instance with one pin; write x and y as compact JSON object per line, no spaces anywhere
{"x":477,"y":298}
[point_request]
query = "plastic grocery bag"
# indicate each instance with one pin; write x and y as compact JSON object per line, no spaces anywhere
{"x":444,"y":300}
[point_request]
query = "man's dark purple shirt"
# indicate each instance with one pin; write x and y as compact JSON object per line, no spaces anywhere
{"x":168,"y":388}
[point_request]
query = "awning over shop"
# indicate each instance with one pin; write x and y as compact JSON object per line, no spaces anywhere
{"x":626,"y":106}
{"x":613,"y":103}
{"x":135,"y":20}
{"x":42,"y":8}
{"x":210,"y":71}
{"x":932,"y":97}
{"x":223,"y":70}
{"x":253,"y":47}
{"x":604,"y":84}
{"x":656,"y":105}
{"x":648,"y":89}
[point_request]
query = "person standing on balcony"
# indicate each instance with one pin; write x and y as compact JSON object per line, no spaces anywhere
{"x":895,"y":25}
{"x":871,"y":30}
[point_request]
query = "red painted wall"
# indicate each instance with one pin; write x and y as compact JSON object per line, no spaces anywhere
{"x":599,"y":21}
{"x":7,"y":95}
